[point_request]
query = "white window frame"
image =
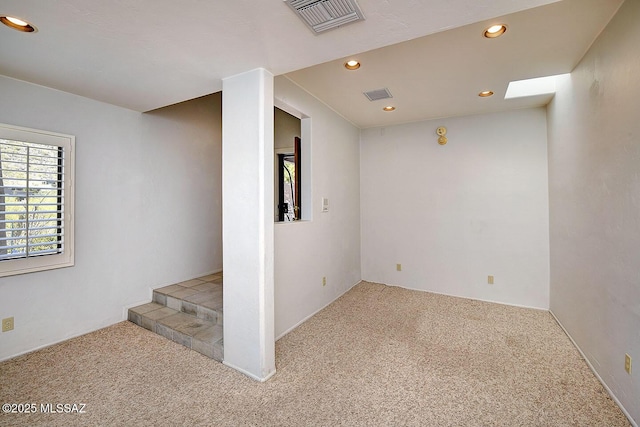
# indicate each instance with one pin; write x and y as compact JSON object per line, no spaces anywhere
{"x":66,"y":257}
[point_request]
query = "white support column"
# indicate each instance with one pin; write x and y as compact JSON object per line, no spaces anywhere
{"x":247,"y":218}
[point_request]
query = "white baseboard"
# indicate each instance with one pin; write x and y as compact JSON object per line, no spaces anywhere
{"x":67,"y":338}
{"x":173,"y":282}
{"x":125,"y":309}
{"x":249,"y":374}
{"x":464,"y":297}
{"x":606,"y":387}
{"x":315,"y":312}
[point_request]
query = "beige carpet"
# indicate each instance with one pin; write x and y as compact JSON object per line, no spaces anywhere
{"x":379,"y":356}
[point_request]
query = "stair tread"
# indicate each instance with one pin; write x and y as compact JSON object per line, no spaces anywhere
{"x":144,"y":308}
{"x":180,"y":291}
{"x":189,"y":313}
{"x":212,"y":334}
{"x":160,"y":313}
{"x":186,"y":323}
{"x":211,"y":300}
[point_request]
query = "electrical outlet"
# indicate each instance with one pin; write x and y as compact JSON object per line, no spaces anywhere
{"x":627,"y":363}
{"x":398,"y":267}
{"x":324,"y":281}
{"x":490,"y":280}
{"x":7,"y":324}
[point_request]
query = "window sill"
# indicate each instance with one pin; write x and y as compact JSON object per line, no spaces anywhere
{"x":302,"y":221}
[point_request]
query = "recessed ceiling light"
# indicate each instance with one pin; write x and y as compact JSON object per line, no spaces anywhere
{"x":495,"y":31}
{"x":352,"y":65}
{"x":389,"y":108}
{"x":485,"y":93}
{"x":17,"y":24}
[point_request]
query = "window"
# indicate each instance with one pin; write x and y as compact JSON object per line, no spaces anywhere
{"x":289,"y":184}
{"x":292,"y":164}
{"x":36,"y":200}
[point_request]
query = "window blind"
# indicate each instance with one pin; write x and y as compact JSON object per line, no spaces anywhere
{"x":31,"y":199}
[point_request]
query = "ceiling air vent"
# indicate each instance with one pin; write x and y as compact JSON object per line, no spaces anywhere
{"x":323,"y":15}
{"x":375,"y":95}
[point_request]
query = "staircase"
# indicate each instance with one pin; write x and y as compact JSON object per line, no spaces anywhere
{"x":189,"y":313}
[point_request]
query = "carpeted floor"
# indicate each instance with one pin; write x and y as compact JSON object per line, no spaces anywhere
{"x":379,"y":356}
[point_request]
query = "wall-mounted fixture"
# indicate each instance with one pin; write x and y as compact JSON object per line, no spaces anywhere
{"x":18,"y":24}
{"x":441,"y":132}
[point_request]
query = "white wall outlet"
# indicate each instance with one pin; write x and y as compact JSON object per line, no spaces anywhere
{"x":627,"y":363}
{"x":324,"y":281}
{"x":398,"y":267}
{"x":7,"y":324}
{"x":490,"y":280}
{"x":325,"y":204}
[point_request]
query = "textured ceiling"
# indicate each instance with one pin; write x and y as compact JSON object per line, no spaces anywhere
{"x":146,"y":54}
{"x":440,"y":75}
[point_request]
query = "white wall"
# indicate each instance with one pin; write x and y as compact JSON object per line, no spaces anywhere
{"x":184,"y":200}
{"x":285,"y":128}
{"x":594,"y":164}
{"x":454,"y":214}
{"x":247,"y":232}
{"x":329,"y":244}
{"x":147,"y":210}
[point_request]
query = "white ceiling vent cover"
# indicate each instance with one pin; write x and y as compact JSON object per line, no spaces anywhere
{"x":323,"y":15}
{"x":375,"y":95}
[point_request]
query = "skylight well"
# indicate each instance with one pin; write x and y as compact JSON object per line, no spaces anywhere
{"x":533,"y":87}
